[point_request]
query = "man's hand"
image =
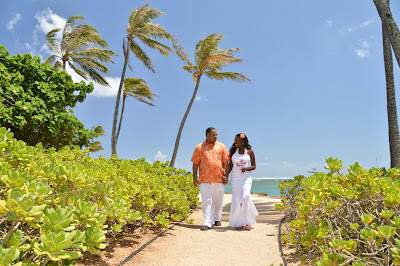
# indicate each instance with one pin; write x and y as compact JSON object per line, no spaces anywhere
{"x":195,"y":181}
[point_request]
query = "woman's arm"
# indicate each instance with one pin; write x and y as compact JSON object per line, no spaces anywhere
{"x":252,"y":160}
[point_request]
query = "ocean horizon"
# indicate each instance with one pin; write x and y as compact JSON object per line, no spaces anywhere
{"x":268,"y":185}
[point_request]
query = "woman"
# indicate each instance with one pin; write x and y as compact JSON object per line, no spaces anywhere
{"x":242,"y":161}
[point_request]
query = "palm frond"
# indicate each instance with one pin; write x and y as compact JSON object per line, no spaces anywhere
{"x":134,"y":18}
{"x":218,"y":61}
{"x":181,"y":52}
{"x":51,"y":60}
{"x":51,"y":39}
{"x":207,"y":47}
{"x":91,"y":63}
{"x":190,"y":69}
{"x":154,"y":30}
{"x":94,"y":52}
{"x":238,"y":77}
{"x":79,"y":72}
{"x":138,"y":89}
{"x":151,"y":43}
{"x":96,"y":76}
{"x":141,"y":55}
{"x":58,"y":66}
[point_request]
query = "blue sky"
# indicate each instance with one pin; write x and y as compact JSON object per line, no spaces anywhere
{"x":317,"y":89}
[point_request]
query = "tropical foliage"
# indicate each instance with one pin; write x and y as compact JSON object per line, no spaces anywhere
{"x":344,"y":219}
{"x":56,"y":205}
{"x":36,"y":102}
{"x":138,"y":89}
{"x":79,"y":48}
{"x":140,"y":27}
{"x":209,"y":61}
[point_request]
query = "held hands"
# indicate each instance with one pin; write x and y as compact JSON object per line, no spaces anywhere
{"x":195,"y":181}
{"x":224,"y":180}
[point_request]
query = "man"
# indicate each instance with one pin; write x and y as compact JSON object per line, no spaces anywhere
{"x":211,"y":158}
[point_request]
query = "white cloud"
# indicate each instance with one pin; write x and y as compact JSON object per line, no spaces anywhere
{"x":359,"y":26}
{"x":160,"y":157}
{"x":286,"y":164}
{"x":363,"y":51}
{"x":11,"y":24}
{"x":201,"y":99}
{"x":49,"y":21}
{"x":329,"y":22}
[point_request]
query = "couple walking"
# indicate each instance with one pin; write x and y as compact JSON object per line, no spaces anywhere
{"x":214,"y":163}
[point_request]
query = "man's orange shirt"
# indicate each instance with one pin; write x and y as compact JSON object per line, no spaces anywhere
{"x":210,"y":158}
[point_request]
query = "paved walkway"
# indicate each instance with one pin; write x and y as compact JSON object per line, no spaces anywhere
{"x":186,"y":244}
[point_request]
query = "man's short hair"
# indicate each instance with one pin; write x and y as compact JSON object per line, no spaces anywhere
{"x":209,"y":130}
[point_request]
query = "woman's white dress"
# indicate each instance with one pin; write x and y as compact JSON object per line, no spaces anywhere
{"x":243,"y":211}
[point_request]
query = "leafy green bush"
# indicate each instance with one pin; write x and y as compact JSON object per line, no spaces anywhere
{"x":54,"y":205}
{"x":36,"y":102}
{"x":344,"y":219}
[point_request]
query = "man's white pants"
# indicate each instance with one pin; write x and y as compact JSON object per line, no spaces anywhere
{"x":212,"y":196}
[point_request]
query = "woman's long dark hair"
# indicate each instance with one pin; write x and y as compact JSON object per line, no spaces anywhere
{"x":245,"y":144}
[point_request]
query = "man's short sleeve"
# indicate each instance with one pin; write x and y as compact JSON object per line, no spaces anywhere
{"x":224,"y":154}
{"x":196,"y":155}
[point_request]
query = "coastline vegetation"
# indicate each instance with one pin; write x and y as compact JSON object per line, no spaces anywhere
{"x":54,"y":205}
{"x":343,"y":219}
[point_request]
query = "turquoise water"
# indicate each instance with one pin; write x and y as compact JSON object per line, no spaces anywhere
{"x":267,"y":185}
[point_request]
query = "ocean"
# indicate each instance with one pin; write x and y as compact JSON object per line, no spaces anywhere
{"x":267,"y":185}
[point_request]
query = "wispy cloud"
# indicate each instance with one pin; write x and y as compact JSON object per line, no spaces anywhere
{"x":49,"y":21}
{"x":11,"y":24}
{"x":286,"y":164}
{"x":201,"y":99}
{"x":160,"y":157}
{"x":363,"y":51}
{"x":362,"y":25}
{"x":329,"y":22}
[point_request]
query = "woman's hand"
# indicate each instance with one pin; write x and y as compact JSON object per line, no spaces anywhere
{"x":243,"y":169}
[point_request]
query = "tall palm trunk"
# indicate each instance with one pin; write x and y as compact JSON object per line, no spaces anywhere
{"x":393,"y":31}
{"x":394,"y":136}
{"x":178,"y":137}
{"x":114,"y":138}
{"x":122,"y":115}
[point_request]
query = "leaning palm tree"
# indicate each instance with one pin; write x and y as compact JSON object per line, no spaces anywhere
{"x":141,"y":27}
{"x":389,"y":29}
{"x":137,"y":89}
{"x":209,"y":61}
{"x":77,"y":47}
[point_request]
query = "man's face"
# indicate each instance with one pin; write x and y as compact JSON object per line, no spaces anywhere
{"x":212,"y":136}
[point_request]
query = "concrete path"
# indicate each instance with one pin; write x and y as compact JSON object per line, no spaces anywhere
{"x":186,"y":244}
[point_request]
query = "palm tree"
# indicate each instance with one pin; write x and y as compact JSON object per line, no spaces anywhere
{"x":209,"y":61}
{"x":394,"y":137}
{"x":382,"y":6}
{"x":140,"y":26}
{"x":138,"y":89}
{"x":77,"y":47}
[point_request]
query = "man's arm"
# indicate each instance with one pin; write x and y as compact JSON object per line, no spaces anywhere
{"x":195,"y":179}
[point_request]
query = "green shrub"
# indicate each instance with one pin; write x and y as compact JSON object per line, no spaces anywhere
{"x":56,"y":205}
{"x":349,"y":218}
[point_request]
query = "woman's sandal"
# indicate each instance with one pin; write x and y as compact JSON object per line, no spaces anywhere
{"x":248,"y":227}
{"x":239,"y":227}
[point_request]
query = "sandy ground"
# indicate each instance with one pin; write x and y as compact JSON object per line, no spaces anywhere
{"x":186,"y":244}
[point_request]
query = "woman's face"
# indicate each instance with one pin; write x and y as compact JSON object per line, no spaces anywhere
{"x":238,"y":142}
